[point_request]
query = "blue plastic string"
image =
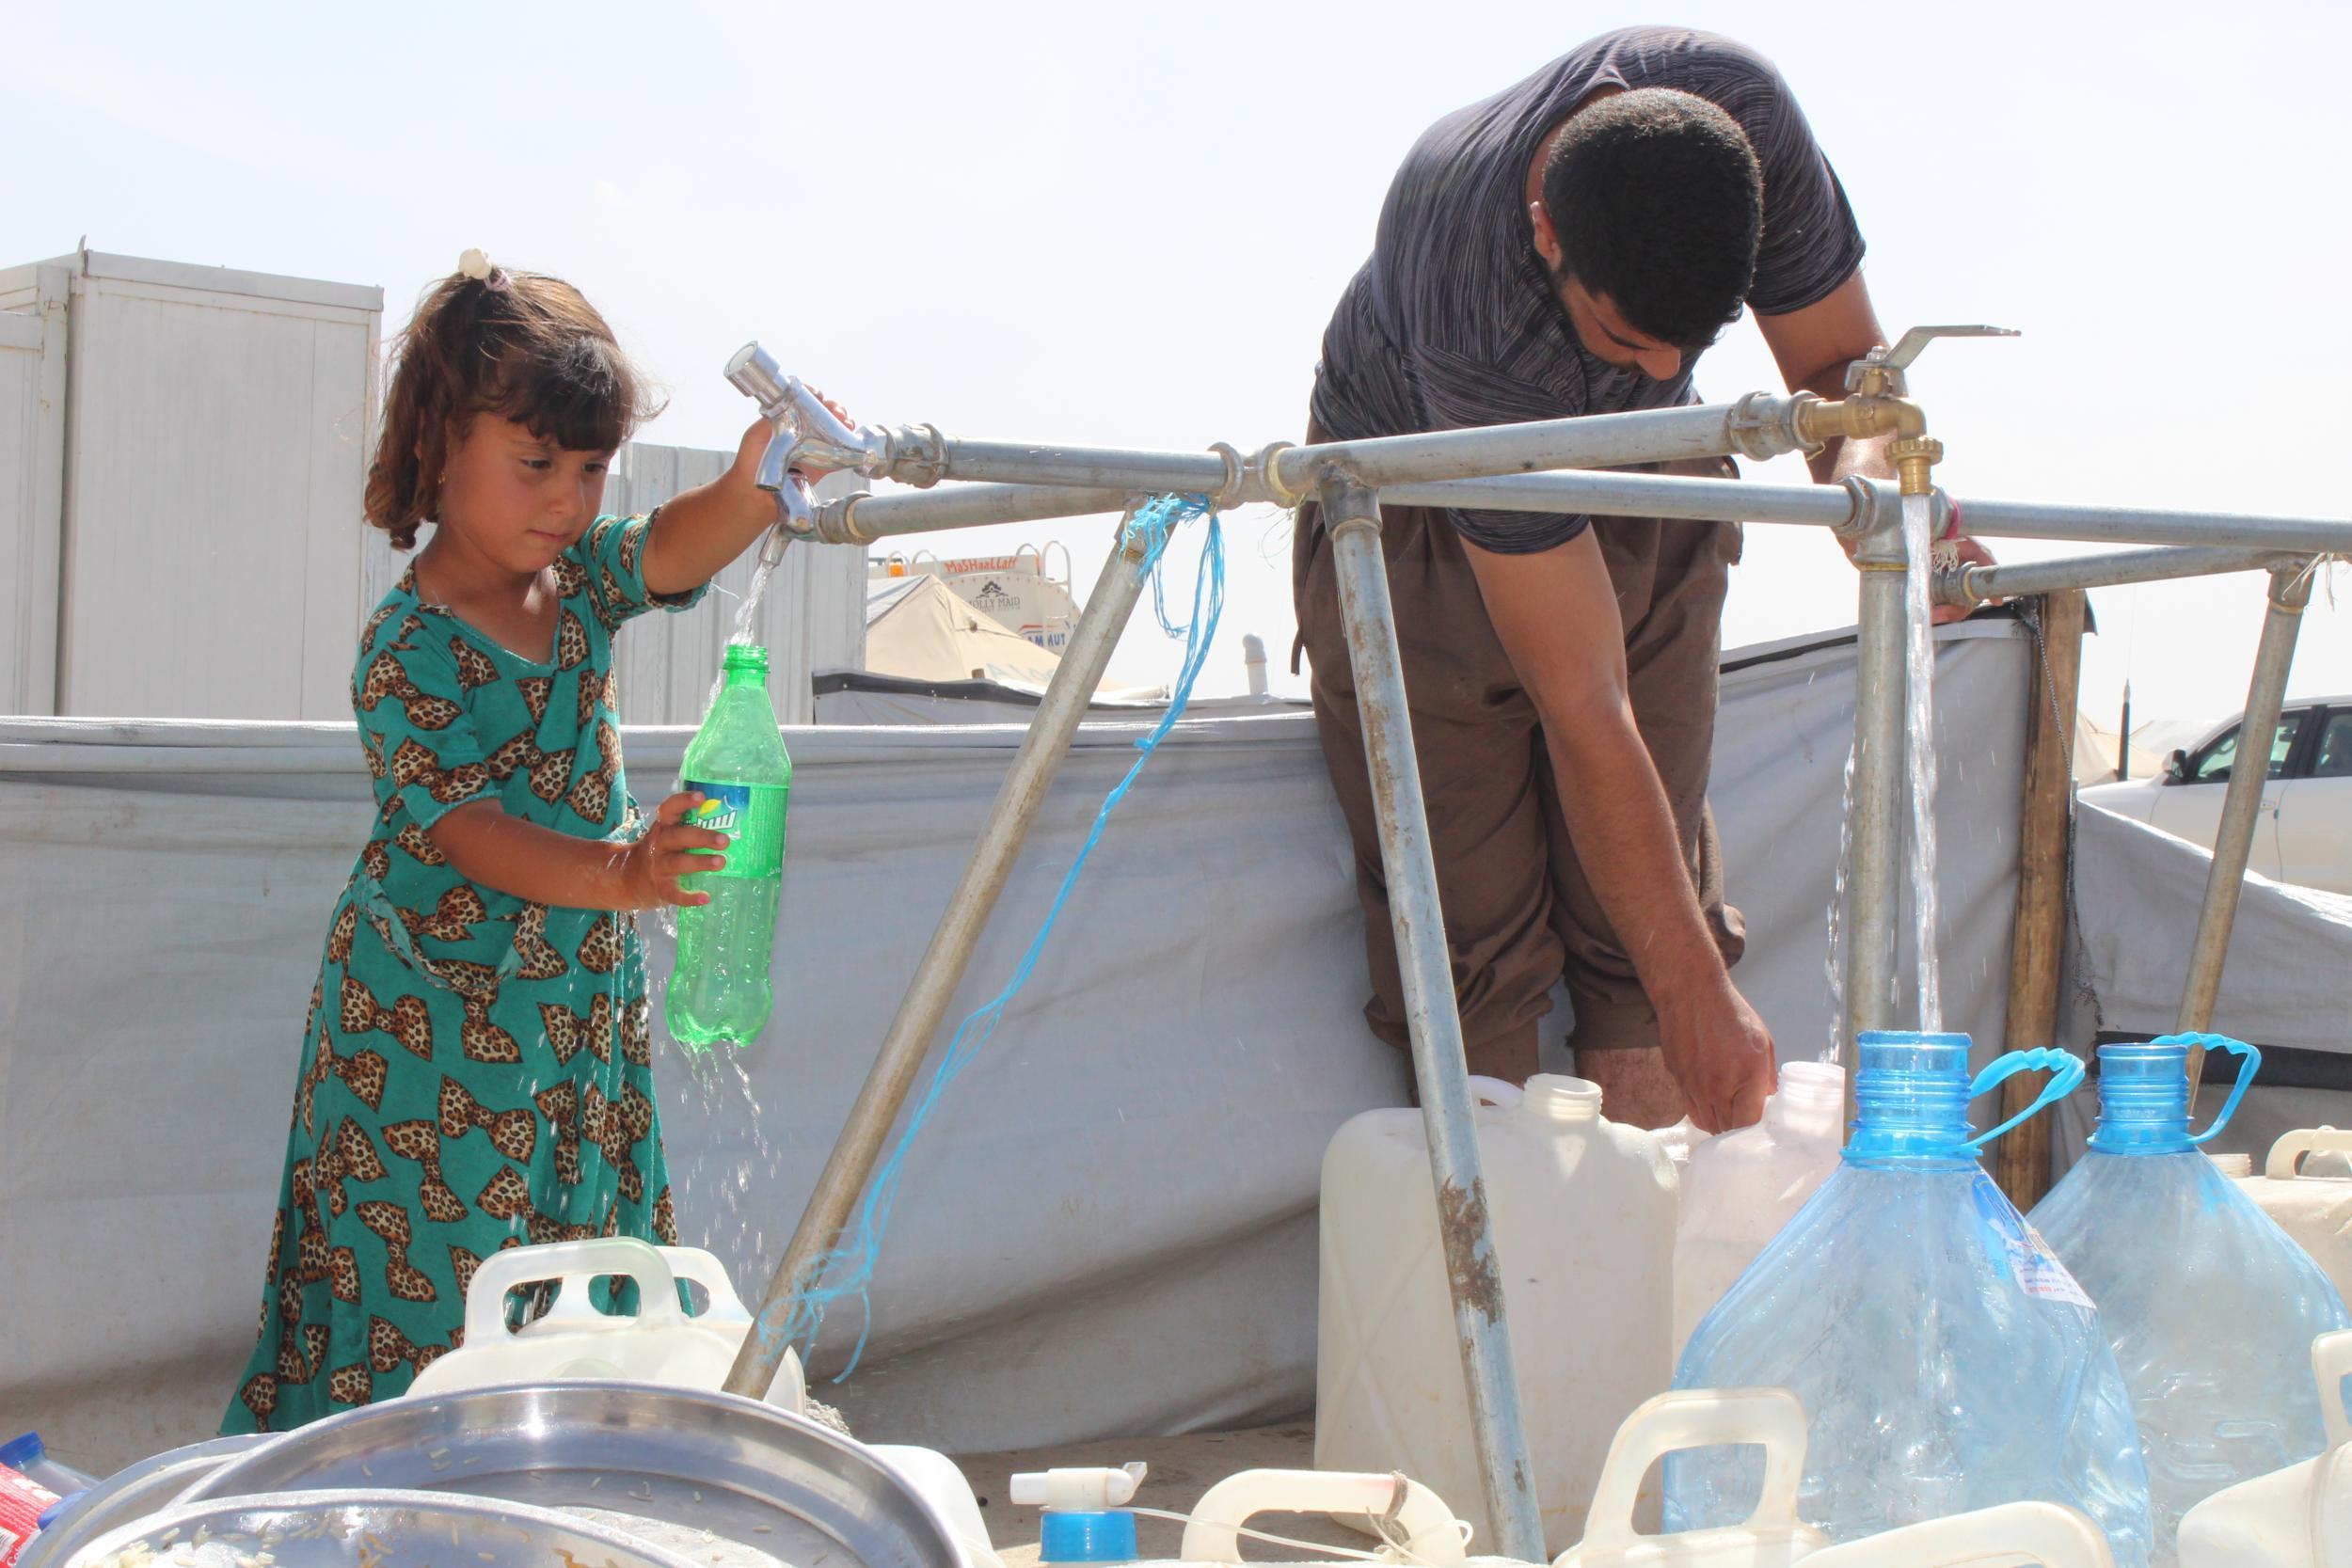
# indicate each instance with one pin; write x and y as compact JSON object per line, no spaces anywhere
{"x":848,"y":1268}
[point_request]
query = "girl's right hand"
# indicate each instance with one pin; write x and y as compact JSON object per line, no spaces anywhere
{"x":652,"y":868}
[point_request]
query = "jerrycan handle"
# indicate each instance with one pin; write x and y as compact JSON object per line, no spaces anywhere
{"x":1700,"y":1418}
{"x":1410,"y":1515}
{"x":501,"y":1271}
{"x":2331,"y":1362}
{"x":1499,"y":1092}
{"x":2067,"y":1075}
{"x":2253,"y":1064}
{"x":2286,"y":1155}
{"x":2045,"y":1533}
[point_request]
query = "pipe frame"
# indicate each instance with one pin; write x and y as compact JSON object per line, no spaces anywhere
{"x":1498,"y":467}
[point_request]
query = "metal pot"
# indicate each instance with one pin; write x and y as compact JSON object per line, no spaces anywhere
{"x":676,"y":1461}
{"x":132,"y":1493}
{"x":377,"y":1530}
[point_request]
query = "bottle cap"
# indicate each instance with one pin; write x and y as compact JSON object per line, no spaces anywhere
{"x":1071,"y":1537}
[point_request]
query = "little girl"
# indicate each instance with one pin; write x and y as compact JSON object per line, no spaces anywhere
{"x":477,"y":1067}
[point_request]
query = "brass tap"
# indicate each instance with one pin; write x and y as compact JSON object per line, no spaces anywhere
{"x":1915,"y":457}
{"x":1875,"y":405}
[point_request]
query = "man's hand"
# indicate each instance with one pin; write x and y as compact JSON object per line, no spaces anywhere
{"x":1721,"y":1057}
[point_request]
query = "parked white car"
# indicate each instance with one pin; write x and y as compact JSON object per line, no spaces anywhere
{"x":2304,"y":831}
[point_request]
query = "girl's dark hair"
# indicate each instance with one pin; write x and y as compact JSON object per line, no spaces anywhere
{"x":522,"y":346}
{"x":1658,"y":203}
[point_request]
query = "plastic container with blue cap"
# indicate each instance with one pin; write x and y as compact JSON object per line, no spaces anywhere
{"x":2210,"y":1307}
{"x":1946,"y":1361}
{"x":1086,"y":1518}
{"x":29,"y":1457}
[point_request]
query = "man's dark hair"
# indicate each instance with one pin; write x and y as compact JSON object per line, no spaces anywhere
{"x":1659,"y":204}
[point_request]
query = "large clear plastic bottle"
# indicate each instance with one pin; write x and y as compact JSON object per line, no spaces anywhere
{"x":1739,"y":1190}
{"x":2210,"y":1306}
{"x":1946,"y":1359}
{"x":720,"y":990}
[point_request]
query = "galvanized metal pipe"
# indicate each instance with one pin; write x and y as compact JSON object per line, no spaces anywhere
{"x":1351,"y":515}
{"x":1596,"y":493}
{"x":1602,"y":493}
{"x":2250,"y":777}
{"x":1974,"y":585}
{"x":912,"y":1030}
{"x":1758,"y":426}
{"x":2125,"y":525}
{"x":861,"y":519}
{"x":1089,"y":467}
{"x":1875,"y":882}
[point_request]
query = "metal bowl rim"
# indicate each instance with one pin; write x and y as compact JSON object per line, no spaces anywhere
{"x":491,"y":1510}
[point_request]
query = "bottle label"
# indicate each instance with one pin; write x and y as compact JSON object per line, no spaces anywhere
{"x":2040,"y":1273}
{"x":750,"y":814}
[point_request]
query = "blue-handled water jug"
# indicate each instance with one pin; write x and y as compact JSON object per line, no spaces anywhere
{"x":1946,"y":1359}
{"x":2211,"y":1308}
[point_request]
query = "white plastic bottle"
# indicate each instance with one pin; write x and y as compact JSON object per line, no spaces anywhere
{"x":1582,"y":1213}
{"x":1740,"y":1189}
{"x":2306,"y":1185}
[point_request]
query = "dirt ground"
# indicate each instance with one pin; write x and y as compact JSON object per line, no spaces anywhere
{"x":1181,"y":1469}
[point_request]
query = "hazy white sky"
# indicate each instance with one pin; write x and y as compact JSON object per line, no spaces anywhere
{"x":1127,"y":223}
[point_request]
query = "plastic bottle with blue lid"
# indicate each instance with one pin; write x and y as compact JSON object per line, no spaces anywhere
{"x":28,"y":1456}
{"x":1086,"y":1518}
{"x":2210,"y":1306}
{"x":1946,"y":1360}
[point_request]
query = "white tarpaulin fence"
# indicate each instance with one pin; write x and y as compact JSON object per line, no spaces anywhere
{"x":1108,"y":1228}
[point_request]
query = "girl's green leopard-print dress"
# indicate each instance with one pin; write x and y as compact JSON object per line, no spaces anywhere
{"x":477,"y":1070}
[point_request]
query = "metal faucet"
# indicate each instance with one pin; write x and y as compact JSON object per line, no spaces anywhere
{"x":806,"y":431}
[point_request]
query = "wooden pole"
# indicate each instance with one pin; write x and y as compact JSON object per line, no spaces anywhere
{"x":2038,"y":944}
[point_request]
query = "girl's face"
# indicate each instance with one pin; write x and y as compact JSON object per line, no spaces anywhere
{"x":518,"y":501}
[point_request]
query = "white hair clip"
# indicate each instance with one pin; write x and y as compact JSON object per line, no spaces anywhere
{"x":474,"y":264}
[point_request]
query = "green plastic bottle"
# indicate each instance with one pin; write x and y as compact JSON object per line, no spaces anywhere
{"x":719,"y":989}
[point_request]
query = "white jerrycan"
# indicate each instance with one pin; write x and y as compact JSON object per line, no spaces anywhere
{"x":2299,"y":1517}
{"x":1773,"y":1536}
{"x":2310,"y":1197}
{"x":1413,"y":1524}
{"x":659,"y":1343}
{"x":2050,"y":1534}
{"x":1740,"y":1189}
{"x":1582,"y":1212}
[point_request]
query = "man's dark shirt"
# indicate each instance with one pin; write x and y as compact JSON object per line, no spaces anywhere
{"x":1454,"y":321}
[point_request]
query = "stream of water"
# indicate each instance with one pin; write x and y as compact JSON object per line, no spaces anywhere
{"x":1919,"y":722}
{"x":1832,"y":1050}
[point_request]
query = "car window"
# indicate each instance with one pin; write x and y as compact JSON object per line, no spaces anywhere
{"x":2212,"y":764}
{"x":2335,"y":748}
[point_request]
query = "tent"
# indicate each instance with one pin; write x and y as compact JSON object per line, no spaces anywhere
{"x":916,"y":628}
